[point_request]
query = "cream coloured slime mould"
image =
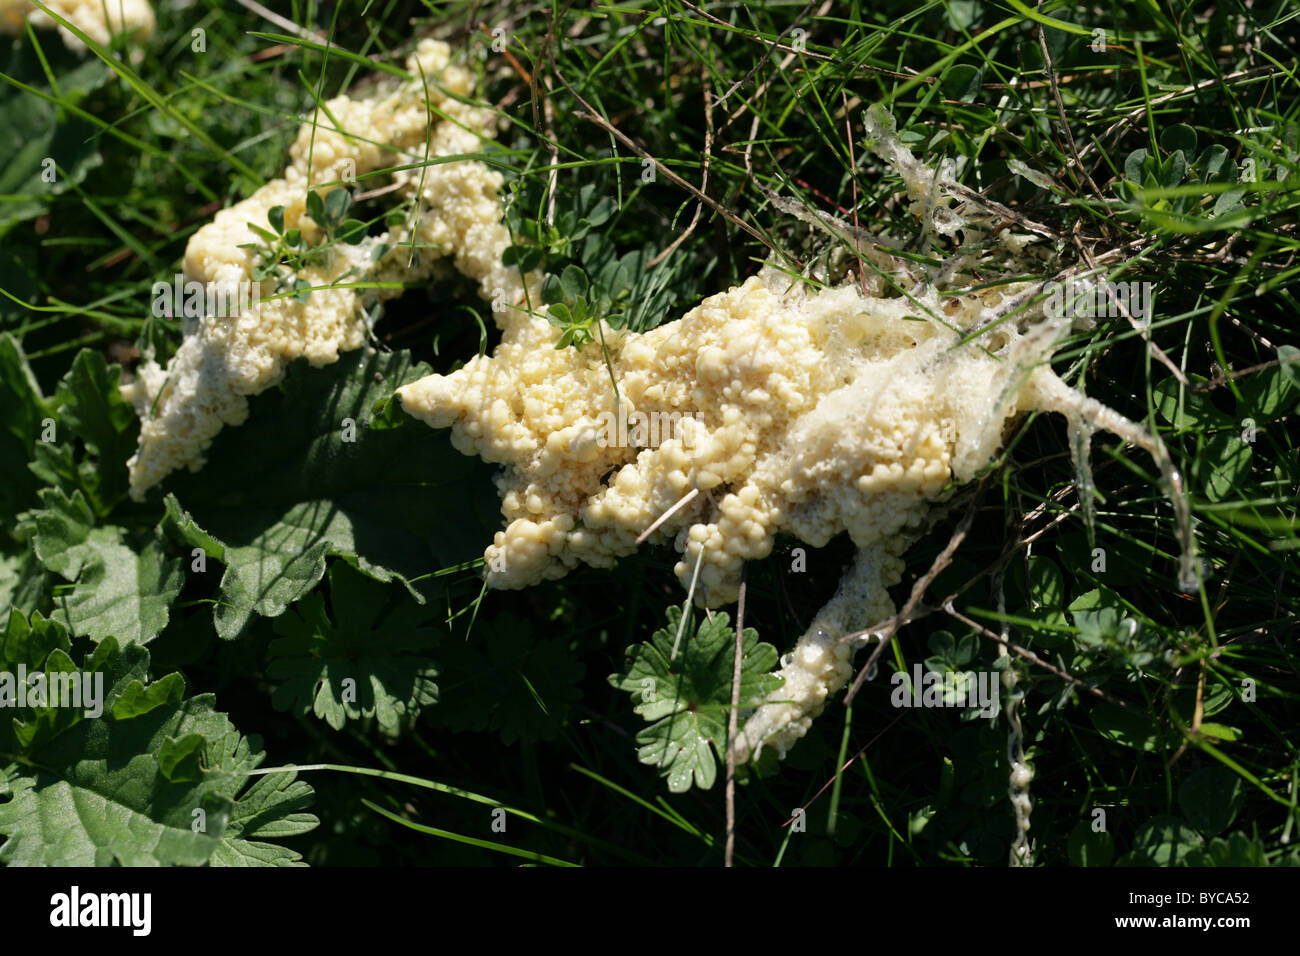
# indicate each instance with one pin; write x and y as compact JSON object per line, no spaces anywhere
{"x":98,"y":19}
{"x":797,"y":413}
{"x":456,"y":217}
{"x":788,"y":411}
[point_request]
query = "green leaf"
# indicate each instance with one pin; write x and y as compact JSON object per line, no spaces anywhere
{"x":1229,"y":201}
{"x":91,"y":405}
{"x":22,"y":410}
{"x":961,"y":82}
{"x":138,"y":698}
{"x":1210,"y":799}
{"x":687,"y":699}
{"x":1288,"y":358}
{"x":62,"y":529}
{"x":28,"y":641}
{"x":1237,"y":850}
{"x":288,"y":488}
{"x":573,"y":281}
{"x":275,"y":216}
{"x":271,"y":809}
{"x":178,"y":760}
{"x":1174,"y":169}
{"x":503,"y":679}
{"x":530,"y":260}
{"x":1134,"y":164}
{"x":123,"y":787}
{"x":316,"y":207}
{"x":1271,"y":391}
{"x":1162,"y":841}
{"x":262,"y":234}
{"x":124,"y":593}
{"x":370,"y":662}
{"x":1090,"y":848}
{"x":336,"y":204}
{"x":23,"y":582}
{"x":559,"y":315}
{"x":602,"y":211}
{"x":1178,"y":137}
{"x":1122,"y":727}
{"x":117,"y":591}
{"x":351,"y":231}
{"x":38,"y":139}
{"x":1216,"y":165}
{"x":646,"y":295}
{"x":1223,"y":466}
{"x":552,"y":290}
{"x":181,"y":527}
{"x":1187,"y":409}
{"x":1046,"y":583}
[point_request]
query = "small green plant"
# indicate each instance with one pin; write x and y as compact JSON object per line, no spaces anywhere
{"x":1154,"y":192}
{"x":576,"y":303}
{"x":587,"y":275}
{"x":283,"y":253}
{"x":539,"y":244}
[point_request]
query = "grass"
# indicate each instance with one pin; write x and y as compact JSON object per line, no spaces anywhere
{"x":706,"y":126}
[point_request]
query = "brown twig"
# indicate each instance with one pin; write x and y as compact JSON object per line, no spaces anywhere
{"x":524,"y":74}
{"x":282,"y":22}
{"x":890,"y":628}
{"x":593,"y":116}
{"x":1060,"y":105}
{"x":853,"y":175}
{"x":654,"y":525}
{"x":733,"y":720}
{"x":704,"y":183}
{"x":847,"y":764}
{"x":1037,"y":661}
{"x":1142,"y":330}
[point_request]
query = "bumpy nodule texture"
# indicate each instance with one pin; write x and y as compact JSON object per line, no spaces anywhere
{"x":223,"y":359}
{"x":795,"y":413}
{"x":807,"y":414}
